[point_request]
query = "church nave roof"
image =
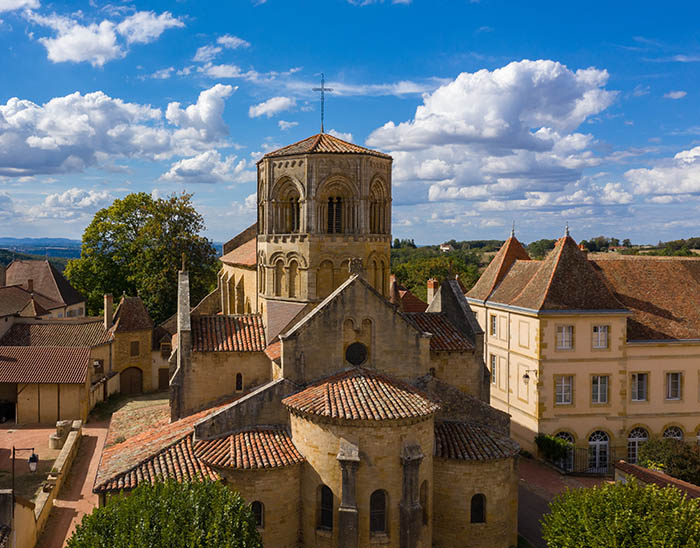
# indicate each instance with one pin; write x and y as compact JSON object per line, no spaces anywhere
{"x":242,"y":333}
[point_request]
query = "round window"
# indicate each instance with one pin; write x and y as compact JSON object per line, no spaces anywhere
{"x":356,"y":353}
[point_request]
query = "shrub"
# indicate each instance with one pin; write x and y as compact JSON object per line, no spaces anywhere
{"x":171,"y":515}
{"x":676,"y":458}
{"x":622,"y":516}
{"x":551,"y":447}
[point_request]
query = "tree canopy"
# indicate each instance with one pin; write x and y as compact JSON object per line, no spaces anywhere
{"x":414,"y":269}
{"x":622,"y":516}
{"x":135,"y":246}
{"x":171,"y":515}
{"x":676,"y":458}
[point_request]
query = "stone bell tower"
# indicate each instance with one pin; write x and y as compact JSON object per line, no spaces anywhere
{"x":321,"y":202}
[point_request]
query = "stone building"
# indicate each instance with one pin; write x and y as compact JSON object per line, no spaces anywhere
{"x":345,"y":419}
{"x":600,"y":351}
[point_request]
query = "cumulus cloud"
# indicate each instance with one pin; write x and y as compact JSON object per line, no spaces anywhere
{"x":206,"y":53}
{"x":271,"y":107}
{"x":507,"y":136}
{"x":73,"y":203}
{"x":144,"y":27}
{"x":11,"y":5}
{"x":209,"y":167}
{"x":340,"y":135}
{"x":232,"y":42}
{"x":70,"y":133}
{"x":284,"y":125}
{"x":677,"y":176}
{"x":675,"y":94}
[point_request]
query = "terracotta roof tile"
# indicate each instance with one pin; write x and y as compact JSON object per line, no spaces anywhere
{"x":274,"y":350}
{"x":262,"y":447}
{"x":178,"y":461}
{"x":520,"y":273}
{"x":131,"y":315}
{"x":57,"y":332}
{"x":361,"y":394}
{"x":244,"y":333}
{"x":245,"y":254}
{"x":46,"y":280}
{"x":659,"y":478}
{"x":43,"y":365}
{"x":411,"y":303}
{"x":445,"y":335}
{"x":510,"y":252}
{"x":467,"y":441}
{"x":323,"y":143}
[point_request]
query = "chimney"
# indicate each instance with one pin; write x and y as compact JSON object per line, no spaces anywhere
{"x":433,"y":287}
{"x":583,"y":249}
{"x":394,"y":295}
{"x":108,"y":310}
{"x":30,"y":285}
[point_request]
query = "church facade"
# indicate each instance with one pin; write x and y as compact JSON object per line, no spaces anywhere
{"x":343,"y":419}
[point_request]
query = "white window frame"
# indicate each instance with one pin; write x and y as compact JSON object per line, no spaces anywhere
{"x":565,"y":337}
{"x":494,"y":369}
{"x":596,"y":389}
{"x":494,"y":325}
{"x":635,"y":382}
{"x":564,"y":386}
{"x":669,"y":385}
{"x":601,"y":336}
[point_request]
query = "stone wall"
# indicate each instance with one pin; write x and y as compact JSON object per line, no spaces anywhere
{"x":456,"y":482}
{"x":122,"y":358}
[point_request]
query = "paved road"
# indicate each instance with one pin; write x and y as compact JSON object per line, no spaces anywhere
{"x":531,"y":507}
{"x":76,"y":498}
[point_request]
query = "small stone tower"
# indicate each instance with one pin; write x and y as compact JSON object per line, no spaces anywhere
{"x":322,"y":202}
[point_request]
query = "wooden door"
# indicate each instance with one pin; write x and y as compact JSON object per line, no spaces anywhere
{"x":163,"y":378}
{"x":131,"y":381}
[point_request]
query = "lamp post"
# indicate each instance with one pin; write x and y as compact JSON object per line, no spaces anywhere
{"x":33,"y":462}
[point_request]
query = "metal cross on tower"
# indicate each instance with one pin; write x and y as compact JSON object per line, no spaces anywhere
{"x":323,"y":89}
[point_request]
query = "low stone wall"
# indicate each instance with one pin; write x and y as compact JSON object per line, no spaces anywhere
{"x":57,"y":476}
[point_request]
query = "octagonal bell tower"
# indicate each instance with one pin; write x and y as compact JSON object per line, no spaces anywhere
{"x":321,"y":202}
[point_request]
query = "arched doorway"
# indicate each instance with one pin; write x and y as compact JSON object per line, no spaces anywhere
{"x":131,"y":381}
{"x":598,"y":452}
{"x":566,"y":463}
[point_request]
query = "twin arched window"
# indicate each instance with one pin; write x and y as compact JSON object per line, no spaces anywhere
{"x":478,"y":508}
{"x":377,"y":512}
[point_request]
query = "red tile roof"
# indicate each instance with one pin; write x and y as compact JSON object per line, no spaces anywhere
{"x":245,"y":254}
{"x":131,"y":315}
{"x":47,"y":281}
{"x":57,"y":332}
{"x":446,"y":336}
{"x":323,"y":143}
{"x":467,"y":441}
{"x":177,"y":461}
{"x":646,"y":475}
{"x":43,"y":365}
{"x":262,"y":447}
{"x":411,"y":303}
{"x":361,"y":394}
{"x":274,"y":350}
{"x":244,"y":333}
{"x":510,"y":252}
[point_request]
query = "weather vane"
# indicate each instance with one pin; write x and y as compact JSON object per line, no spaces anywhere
{"x":323,"y":89}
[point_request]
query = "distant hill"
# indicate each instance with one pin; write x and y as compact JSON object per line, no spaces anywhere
{"x":43,"y":247}
{"x":7,"y":256}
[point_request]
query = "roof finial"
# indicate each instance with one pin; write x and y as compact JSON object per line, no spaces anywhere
{"x":512,"y":231}
{"x":566,"y":233}
{"x":323,"y":89}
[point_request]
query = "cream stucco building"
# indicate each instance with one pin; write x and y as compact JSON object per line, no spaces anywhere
{"x":603,"y":352}
{"x":343,"y":418}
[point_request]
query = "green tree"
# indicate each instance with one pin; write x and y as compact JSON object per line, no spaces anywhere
{"x":678,"y":459}
{"x":540,"y":248}
{"x":622,"y":516}
{"x":414,"y":274}
{"x":135,"y":246}
{"x":627,"y":242}
{"x":171,"y":514}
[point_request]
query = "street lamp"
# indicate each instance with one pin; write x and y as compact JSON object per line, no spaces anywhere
{"x":33,"y":462}
{"x":526,"y":376}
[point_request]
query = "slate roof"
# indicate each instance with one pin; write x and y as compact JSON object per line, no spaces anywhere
{"x":361,"y":394}
{"x":510,"y":252}
{"x":43,"y":365}
{"x":245,"y":254}
{"x":177,"y":461}
{"x":323,"y":143}
{"x":47,"y":281}
{"x":131,"y":315}
{"x":57,"y":332}
{"x":258,"y":448}
{"x":241,"y":333}
{"x":659,"y":478}
{"x":467,"y":441}
{"x":14,"y":299}
{"x":446,"y":337}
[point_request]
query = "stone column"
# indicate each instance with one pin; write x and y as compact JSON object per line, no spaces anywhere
{"x":349,"y":458}
{"x":410,"y":510}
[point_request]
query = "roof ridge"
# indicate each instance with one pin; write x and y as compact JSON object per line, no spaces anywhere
{"x":554,"y":268}
{"x":316,"y":142}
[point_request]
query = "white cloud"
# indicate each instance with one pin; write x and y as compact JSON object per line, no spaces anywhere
{"x":341,"y":135}
{"x":369,"y":2}
{"x":11,"y":5}
{"x":284,"y":125}
{"x":74,"y":202}
{"x":675,"y":94}
{"x":206,"y":53}
{"x":209,"y":167}
{"x":144,"y":27}
{"x":68,"y":134}
{"x":163,"y":74}
{"x":271,"y":107}
{"x":676,"y":176}
{"x":232,"y":42}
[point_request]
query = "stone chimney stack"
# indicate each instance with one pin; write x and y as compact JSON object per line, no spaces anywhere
{"x":30,"y":285}
{"x":394,"y":295}
{"x":108,"y":310}
{"x":433,"y":286}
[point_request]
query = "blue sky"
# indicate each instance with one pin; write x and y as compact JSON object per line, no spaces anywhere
{"x":540,"y":113}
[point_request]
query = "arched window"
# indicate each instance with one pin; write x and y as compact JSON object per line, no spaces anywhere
{"x":286,"y":208}
{"x":325,"y":510}
{"x":424,"y":501}
{"x":598,"y":453}
{"x":293,"y":279}
{"x":566,"y":463}
{"x":377,"y":512}
{"x":335,"y":215}
{"x":293,"y":214}
{"x":377,"y":209}
{"x":261,"y":281}
{"x":637,"y":438}
{"x":279,"y":277}
{"x":258,"y":509}
{"x":239,"y":382}
{"x":674,"y":432}
{"x":478,"y":509}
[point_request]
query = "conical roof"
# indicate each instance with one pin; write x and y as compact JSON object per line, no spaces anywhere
{"x":511,"y":251}
{"x":323,"y":143}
